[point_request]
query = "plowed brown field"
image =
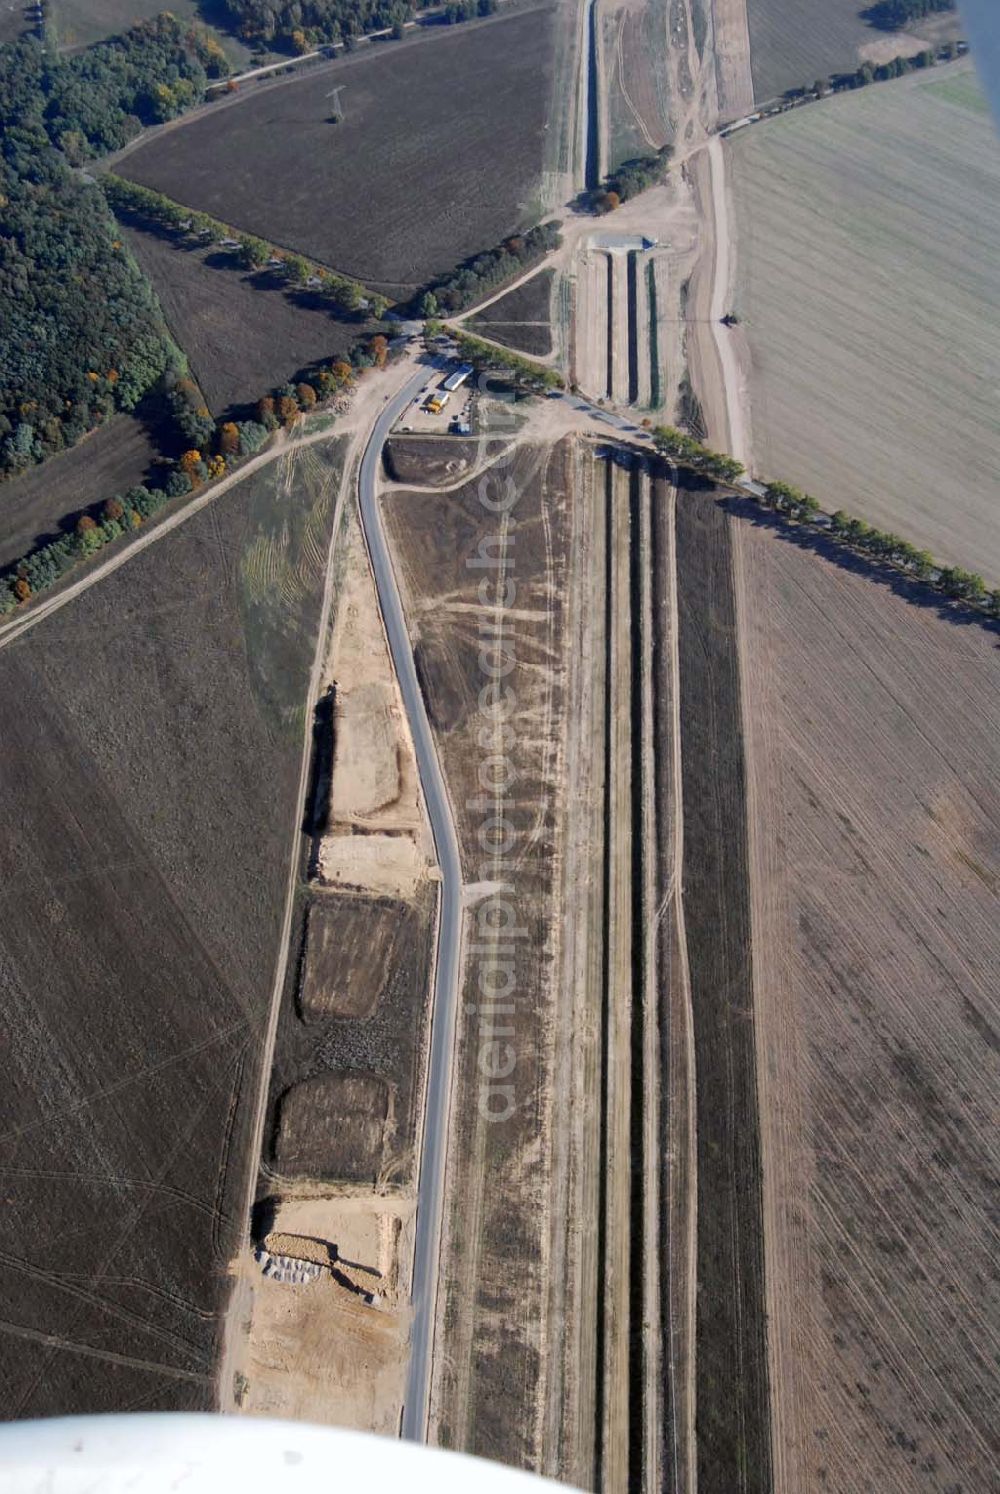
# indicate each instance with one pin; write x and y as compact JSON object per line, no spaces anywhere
{"x":875,"y":857}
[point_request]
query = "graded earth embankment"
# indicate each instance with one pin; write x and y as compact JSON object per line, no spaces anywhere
{"x":731,"y":1364}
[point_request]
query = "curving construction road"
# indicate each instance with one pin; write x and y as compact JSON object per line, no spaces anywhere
{"x":430,"y":1193}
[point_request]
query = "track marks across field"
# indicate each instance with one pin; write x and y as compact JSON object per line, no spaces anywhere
{"x":875,"y":847}
{"x":149,"y":801}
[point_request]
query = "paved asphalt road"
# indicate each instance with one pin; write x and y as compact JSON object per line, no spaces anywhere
{"x":430,"y":1195}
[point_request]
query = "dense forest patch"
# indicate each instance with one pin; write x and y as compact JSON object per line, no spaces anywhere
{"x":81,"y":334}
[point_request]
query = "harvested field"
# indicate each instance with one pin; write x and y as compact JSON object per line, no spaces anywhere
{"x":434,"y":461}
{"x":455,"y":119}
{"x":963,"y":89}
{"x":875,"y":851}
{"x":731,"y":1363}
{"x":243,"y":333}
{"x":12,"y":20}
{"x":150,"y":795}
{"x":81,"y":23}
{"x":109,"y":460}
{"x":522,"y":319}
{"x":346,"y":1084}
{"x":529,"y":302}
{"x":792,"y":42}
{"x":489,"y":1386}
{"x":638,"y":99}
{"x":350,"y":948}
{"x":871,"y":295}
{"x":532,"y":338}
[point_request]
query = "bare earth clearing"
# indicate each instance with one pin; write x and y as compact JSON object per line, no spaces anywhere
{"x":875,"y":851}
{"x":149,"y":798}
{"x":439,"y":152}
{"x":434,"y":461}
{"x":868,"y":280}
{"x":319,"y":1352}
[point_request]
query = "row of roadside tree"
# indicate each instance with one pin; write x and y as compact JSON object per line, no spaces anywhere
{"x":855,"y":534}
{"x":217,"y":448}
{"x":130,"y":200}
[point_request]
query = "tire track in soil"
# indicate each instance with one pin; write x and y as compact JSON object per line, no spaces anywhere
{"x":57,"y":1341}
{"x":132,"y":1222}
{"x":623,"y":89}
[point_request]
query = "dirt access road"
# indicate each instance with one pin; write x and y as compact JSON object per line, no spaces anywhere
{"x":373,"y":395}
{"x":368,"y":396}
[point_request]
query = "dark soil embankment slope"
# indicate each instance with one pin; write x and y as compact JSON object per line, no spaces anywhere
{"x":732,"y":1399}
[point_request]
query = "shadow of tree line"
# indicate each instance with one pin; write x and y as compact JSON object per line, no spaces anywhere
{"x":908,"y":588}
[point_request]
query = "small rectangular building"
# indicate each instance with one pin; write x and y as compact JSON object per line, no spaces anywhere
{"x":458,"y":378}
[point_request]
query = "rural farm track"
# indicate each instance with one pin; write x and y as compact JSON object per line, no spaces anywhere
{"x":38,"y":612}
{"x":433,"y":1146}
